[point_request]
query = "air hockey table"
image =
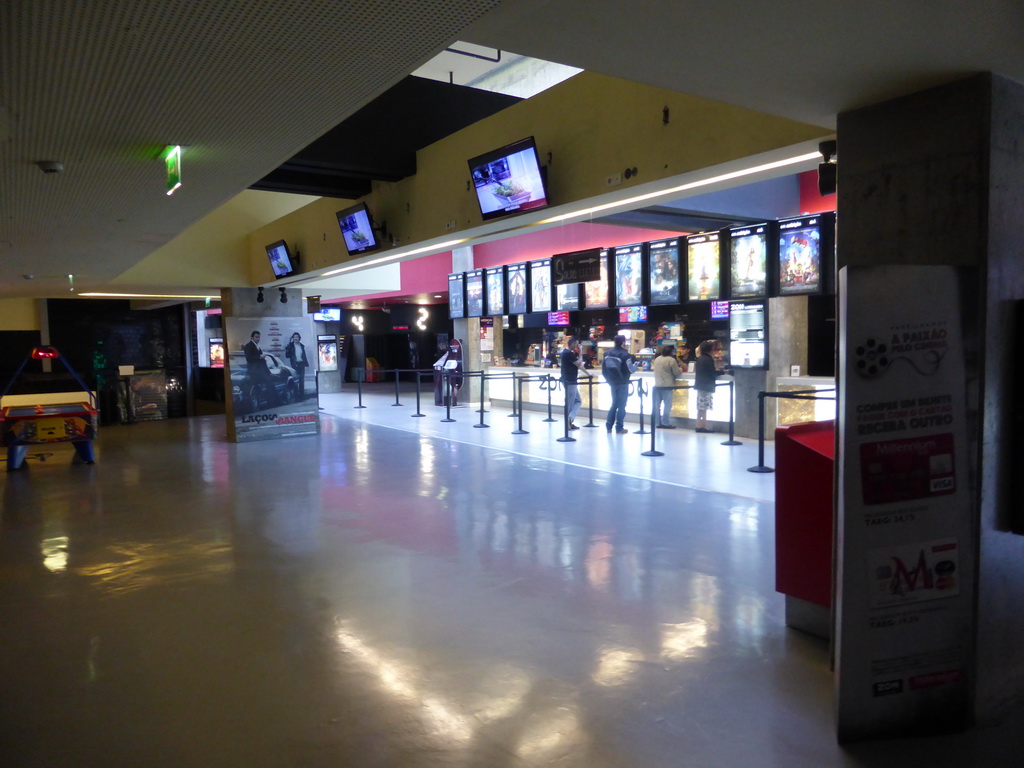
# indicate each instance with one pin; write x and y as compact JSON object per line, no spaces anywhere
{"x":24,"y":426}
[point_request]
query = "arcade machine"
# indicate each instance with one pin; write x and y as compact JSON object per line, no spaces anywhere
{"x":449,"y":363}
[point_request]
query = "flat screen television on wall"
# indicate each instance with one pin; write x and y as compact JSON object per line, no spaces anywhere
{"x":806,"y":255}
{"x":748,"y":261}
{"x":280,"y":259}
{"x":357,"y":229}
{"x":457,"y":295}
{"x":558,"y":318}
{"x":508,"y":180}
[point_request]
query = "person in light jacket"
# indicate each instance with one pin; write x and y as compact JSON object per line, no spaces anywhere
{"x":666,"y":371}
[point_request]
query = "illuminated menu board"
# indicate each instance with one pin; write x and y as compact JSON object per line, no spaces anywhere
{"x":664,"y":272}
{"x":748,"y":262}
{"x":540,"y":285}
{"x":516,"y":274}
{"x":747,"y":337}
{"x":494,"y":282}
{"x":703,"y":267}
{"x":629,"y":275}
{"x":595,"y":293}
{"x":475,"y":293}
{"x":457,"y":295}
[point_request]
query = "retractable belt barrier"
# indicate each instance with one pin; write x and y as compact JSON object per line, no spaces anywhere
{"x":806,"y":394}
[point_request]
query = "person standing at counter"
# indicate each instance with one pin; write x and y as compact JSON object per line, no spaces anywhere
{"x":705,"y":374}
{"x":617,"y":366}
{"x":569,"y":359}
{"x":666,"y":371}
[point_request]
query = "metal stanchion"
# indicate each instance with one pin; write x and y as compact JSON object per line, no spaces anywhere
{"x":654,"y":429}
{"x":448,"y":398}
{"x":359,"y":387}
{"x":760,"y":468}
{"x":565,"y":421}
{"x":515,"y":405}
{"x":520,"y":431}
{"x":396,"y":389}
{"x":640,"y":393}
{"x":419,"y":378}
{"x":481,"y":425}
{"x":590,"y":402}
{"x":732,"y":418}
{"x":549,"y":382}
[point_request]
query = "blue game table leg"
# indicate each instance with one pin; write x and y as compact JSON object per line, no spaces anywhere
{"x":16,"y":456}
{"x":84,"y":452}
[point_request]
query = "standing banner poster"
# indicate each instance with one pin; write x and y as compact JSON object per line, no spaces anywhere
{"x":271,"y":364}
{"x":906,"y":544}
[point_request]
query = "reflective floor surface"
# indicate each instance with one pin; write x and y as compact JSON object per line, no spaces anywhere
{"x":392,"y":595}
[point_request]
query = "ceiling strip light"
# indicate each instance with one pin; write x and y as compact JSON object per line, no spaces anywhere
{"x":151,"y":296}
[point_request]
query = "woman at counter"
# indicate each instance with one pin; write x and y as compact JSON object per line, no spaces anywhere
{"x":705,"y":374}
{"x":666,"y":370}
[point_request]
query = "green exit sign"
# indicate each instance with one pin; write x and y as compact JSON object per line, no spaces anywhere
{"x":172,"y":157}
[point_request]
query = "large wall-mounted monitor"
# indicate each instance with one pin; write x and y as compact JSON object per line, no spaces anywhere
{"x":494,"y":283}
{"x":806,"y":253}
{"x":633,"y":314}
{"x":595,"y":293}
{"x":508,"y":180}
{"x":748,"y":334}
{"x":475,"y":293}
{"x":328,"y":315}
{"x":663,"y":271}
{"x":558,"y":319}
{"x":703,"y":267}
{"x":629,"y":275}
{"x":540,"y":286}
{"x":516,"y":277}
{"x":357,"y":230}
{"x":748,"y":261}
{"x":280,"y":259}
{"x":457,"y":295}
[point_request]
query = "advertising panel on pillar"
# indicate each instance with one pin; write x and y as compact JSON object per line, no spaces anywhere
{"x":905,"y":537}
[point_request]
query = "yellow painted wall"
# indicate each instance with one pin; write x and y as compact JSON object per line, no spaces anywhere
{"x":19,"y":314}
{"x":592,"y":125}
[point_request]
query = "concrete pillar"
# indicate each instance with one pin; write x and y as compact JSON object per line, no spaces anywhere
{"x":938,"y":178}
{"x":467,"y":329}
{"x":788,"y":319}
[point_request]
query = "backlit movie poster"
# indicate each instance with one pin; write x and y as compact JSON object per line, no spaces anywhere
{"x":665,"y":273}
{"x":596,"y":291}
{"x":272,"y":363}
{"x":703,"y":270}
{"x":748,"y":265}
{"x":628,"y":277}
{"x":540,"y":287}
{"x":799,"y":261}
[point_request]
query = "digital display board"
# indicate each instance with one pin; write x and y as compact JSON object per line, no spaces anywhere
{"x":664,"y":271}
{"x":540,"y":285}
{"x":703,"y":267}
{"x":595,"y":292}
{"x":747,"y":335}
{"x":633,"y":314}
{"x":719,"y":310}
{"x":516,"y":274}
{"x":748,"y":262}
{"x":629,"y":275}
{"x":457,"y":295}
{"x":475,"y":293}
{"x":558,"y":318}
{"x":508,"y":180}
{"x":494,"y":279}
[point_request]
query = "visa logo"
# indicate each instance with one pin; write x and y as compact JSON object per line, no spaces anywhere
{"x":942,"y":484}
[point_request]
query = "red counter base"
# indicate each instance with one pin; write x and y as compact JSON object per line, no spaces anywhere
{"x":804,"y":460}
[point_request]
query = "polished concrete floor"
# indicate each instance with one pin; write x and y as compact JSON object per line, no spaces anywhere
{"x":405,"y":592}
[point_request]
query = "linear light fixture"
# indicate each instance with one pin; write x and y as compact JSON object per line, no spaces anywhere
{"x":150,"y":296}
{"x":384,"y":259}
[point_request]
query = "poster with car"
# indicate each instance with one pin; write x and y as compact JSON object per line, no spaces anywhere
{"x":271,"y":364}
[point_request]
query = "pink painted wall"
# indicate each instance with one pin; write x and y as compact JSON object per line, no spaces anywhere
{"x":810,"y":200}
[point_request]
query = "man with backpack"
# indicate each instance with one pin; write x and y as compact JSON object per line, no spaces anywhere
{"x":616,"y":367}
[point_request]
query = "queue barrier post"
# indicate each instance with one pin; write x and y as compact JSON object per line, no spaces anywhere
{"x":397,"y":372}
{"x":518,"y":381}
{"x":732,"y":416}
{"x":548,"y":381}
{"x":419,"y":379}
{"x":565,"y":421}
{"x":448,"y":398}
{"x":359,"y":387}
{"x":652,"y":451}
{"x":760,"y":467}
{"x":590,"y":402}
{"x":481,"y":425}
{"x":640,"y":390}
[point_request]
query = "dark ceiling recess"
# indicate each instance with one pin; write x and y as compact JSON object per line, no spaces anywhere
{"x":379,"y":142}
{"x":675,"y":219}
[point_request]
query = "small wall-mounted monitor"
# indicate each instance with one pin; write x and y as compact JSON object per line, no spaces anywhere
{"x":357,"y":229}
{"x":280,"y":259}
{"x":494,"y":283}
{"x":558,"y":318}
{"x":595,"y":293}
{"x":328,"y":315}
{"x":629,"y":275}
{"x":457,"y":295}
{"x":663,"y":271}
{"x":703,"y":267}
{"x":516,"y":276}
{"x":217,"y":353}
{"x":475,"y":293}
{"x":719,"y":310}
{"x":806,"y":254}
{"x":508,"y":180}
{"x":633,"y":314}
{"x":748,"y":261}
{"x":540,"y":285}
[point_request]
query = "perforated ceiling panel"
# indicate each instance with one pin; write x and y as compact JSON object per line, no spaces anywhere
{"x":102,"y":86}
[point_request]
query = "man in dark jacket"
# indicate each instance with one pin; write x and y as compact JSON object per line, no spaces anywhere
{"x":617,"y":366}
